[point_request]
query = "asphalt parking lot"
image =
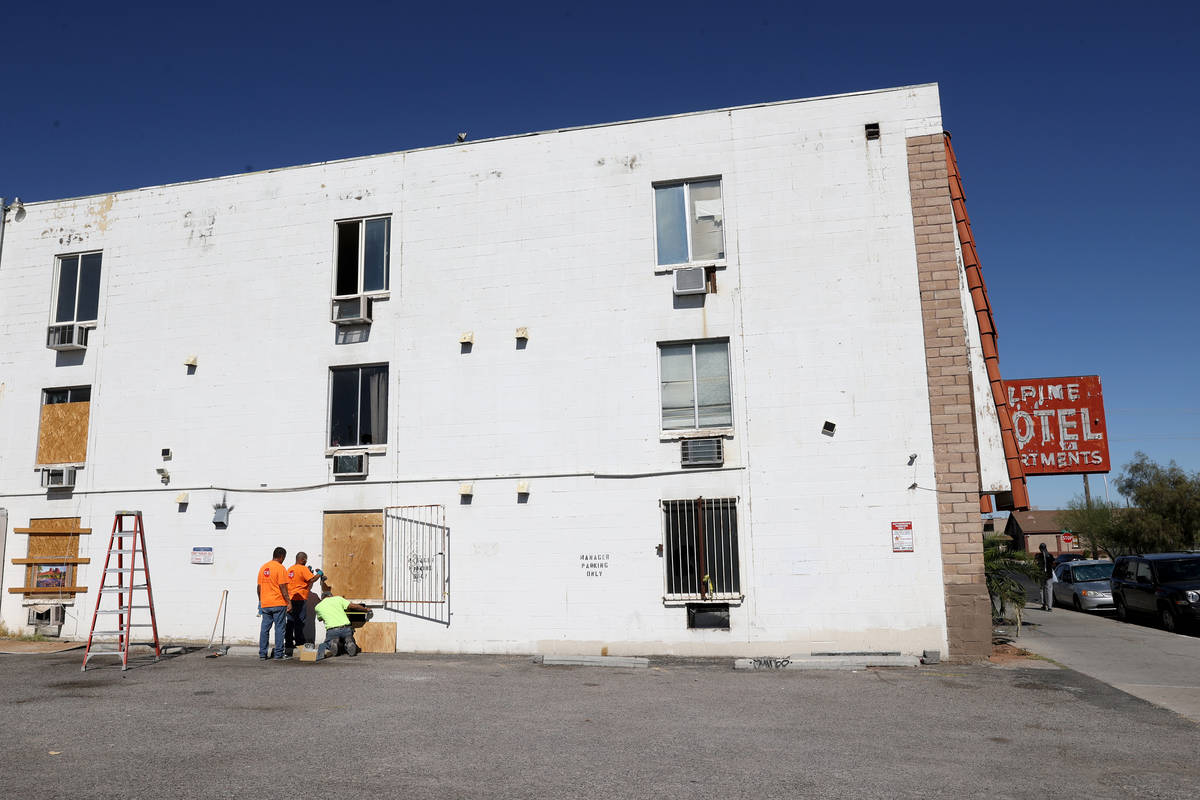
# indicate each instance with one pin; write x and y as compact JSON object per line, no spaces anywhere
{"x":488,"y":726}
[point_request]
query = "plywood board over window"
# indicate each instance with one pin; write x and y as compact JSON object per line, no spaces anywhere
{"x":63,"y":433}
{"x":51,"y":557}
{"x":352,"y":556}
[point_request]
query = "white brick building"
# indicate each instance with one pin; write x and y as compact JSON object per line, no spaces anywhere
{"x":555,"y":255}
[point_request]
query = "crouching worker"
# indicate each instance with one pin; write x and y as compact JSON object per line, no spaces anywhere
{"x":338,"y":633}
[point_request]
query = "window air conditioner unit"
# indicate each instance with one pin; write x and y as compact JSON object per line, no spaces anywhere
{"x":702,"y":452}
{"x":58,"y":477}
{"x":67,"y":337}
{"x":350,"y":464}
{"x":690,"y":280}
{"x":54,"y":615}
{"x":352,"y":311}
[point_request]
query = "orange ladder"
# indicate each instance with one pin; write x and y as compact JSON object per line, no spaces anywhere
{"x":121,"y":580}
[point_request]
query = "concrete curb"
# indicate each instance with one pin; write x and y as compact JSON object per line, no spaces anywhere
{"x":592,"y":661}
{"x":826,"y":662}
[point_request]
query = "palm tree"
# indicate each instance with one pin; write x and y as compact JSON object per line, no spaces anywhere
{"x":1000,"y":568}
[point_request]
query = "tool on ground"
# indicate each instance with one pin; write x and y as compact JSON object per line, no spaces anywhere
{"x":123,"y":542}
{"x":222,"y":612}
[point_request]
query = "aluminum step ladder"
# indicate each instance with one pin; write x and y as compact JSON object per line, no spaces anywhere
{"x":120,"y":580}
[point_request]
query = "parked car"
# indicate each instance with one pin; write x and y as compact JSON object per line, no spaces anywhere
{"x":1063,"y":558}
{"x":1164,"y":584}
{"x":1083,"y":584}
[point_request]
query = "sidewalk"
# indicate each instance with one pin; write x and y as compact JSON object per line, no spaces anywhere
{"x":1135,"y":657}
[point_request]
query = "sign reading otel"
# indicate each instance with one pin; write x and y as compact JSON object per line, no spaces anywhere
{"x":1059,"y":424}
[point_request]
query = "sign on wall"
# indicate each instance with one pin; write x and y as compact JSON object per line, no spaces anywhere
{"x":1059,"y":424}
{"x":902,"y":537}
{"x":202,"y":555}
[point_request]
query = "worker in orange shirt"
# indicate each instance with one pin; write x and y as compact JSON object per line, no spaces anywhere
{"x":272,"y":602}
{"x":300,"y":581}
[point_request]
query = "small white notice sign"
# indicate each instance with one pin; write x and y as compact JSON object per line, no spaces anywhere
{"x":202,"y":555}
{"x":902,"y":537}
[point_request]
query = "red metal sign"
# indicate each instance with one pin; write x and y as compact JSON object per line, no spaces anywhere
{"x":1067,"y":538}
{"x":1059,"y":424}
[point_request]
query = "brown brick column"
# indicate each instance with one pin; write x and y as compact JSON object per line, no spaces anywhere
{"x":955,"y":455}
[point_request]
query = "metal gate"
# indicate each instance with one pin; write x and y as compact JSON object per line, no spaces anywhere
{"x":416,"y":562}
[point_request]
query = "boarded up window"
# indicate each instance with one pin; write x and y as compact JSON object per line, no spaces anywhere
{"x":63,"y":428}
{"x":52,"y":557}
{"x":352,"y":556}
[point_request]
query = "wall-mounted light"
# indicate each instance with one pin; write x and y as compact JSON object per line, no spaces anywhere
{"x":912,"y":459}
{"x":162,"y":473}
{"x":466,"y":488}
{"x":166,"y":454}
{"x":468,"y":337}
{"x":828,"y":428}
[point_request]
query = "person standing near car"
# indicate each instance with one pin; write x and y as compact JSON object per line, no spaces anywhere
{"x":1046,"y":563}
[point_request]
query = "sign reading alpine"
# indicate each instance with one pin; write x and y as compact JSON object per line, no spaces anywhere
{"x":1059,"y":424}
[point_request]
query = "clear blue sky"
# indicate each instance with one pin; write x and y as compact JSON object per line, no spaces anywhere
{"x":1077,"y":128}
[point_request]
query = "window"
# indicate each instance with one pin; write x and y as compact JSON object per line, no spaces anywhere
{"x":700,"y":549}
{"x":363,"y":248}
{"x":63,"y":426}
{"x":77,"y":288}
{"x":695,"y":385}
{"x":358,"y":406}
{"x":72,"y":394}
{"x":689,"y":220}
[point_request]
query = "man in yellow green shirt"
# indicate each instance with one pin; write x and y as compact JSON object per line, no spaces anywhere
{"x":332,"y":613}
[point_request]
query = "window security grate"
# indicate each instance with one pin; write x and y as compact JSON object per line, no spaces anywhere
{"x":701,"y":549}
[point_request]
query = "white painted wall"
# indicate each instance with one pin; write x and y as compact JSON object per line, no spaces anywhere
{"x":554,"y":231}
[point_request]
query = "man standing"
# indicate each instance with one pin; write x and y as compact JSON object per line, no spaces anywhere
{"x":1046,"y":563}
{"x":300,"y":581}
{"x":332,"y":611}
{"x":272,"y":601}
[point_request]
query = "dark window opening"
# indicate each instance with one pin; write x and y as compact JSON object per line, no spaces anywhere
{"x":714,"y":617}
{"x":872,"y":131}
{"x":363,"y":256}
{"x":71,"y":394}
{"x":358,"y":406}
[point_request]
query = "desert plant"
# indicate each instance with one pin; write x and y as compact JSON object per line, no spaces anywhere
{"x":1001,"y":566}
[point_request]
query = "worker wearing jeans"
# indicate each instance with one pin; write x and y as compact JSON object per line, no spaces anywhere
{"x":272,"y":602}
{"x":332,"y":613}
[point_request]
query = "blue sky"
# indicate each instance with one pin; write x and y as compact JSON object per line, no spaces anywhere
{"x":1075,"y":127}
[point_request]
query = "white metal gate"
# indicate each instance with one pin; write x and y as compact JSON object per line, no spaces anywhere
{"x":416,"y":562}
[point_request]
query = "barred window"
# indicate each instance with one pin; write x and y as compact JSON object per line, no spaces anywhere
{"x":700,"y":549}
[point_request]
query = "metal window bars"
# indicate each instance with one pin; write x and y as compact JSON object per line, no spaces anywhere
{"x":701,"y":549}
{"x":416,"y":562}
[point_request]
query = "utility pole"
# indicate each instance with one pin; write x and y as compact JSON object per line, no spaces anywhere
{"x":1087,"y":501}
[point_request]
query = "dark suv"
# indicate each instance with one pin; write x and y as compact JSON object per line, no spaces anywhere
{"x":1164,"y":584}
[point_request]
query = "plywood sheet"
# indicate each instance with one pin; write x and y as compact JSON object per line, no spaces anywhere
{"x":376,"y":637}
{"x":63,"y":433}
{"x":52,"y":545}
{"x":352,"y":554}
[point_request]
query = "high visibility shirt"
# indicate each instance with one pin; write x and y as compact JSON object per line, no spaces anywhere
{"x":270,"y":575}
{"x":332,"y":611}
{"x":298,"y":577}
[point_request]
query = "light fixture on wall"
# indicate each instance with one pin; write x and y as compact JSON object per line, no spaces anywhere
{"x":912,"y":459}
{"x":162,"y":473}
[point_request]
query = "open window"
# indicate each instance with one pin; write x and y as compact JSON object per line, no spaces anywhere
{"x":363,"y":256}
{"x":689,"y":222}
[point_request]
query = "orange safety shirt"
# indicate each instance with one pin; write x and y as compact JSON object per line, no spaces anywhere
{"x":270,"y":575}
{"x":298,"y":577}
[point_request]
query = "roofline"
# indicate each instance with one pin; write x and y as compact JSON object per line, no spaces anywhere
{"x":681,"y":115}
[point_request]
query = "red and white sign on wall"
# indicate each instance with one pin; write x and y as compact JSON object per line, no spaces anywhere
{"x":1059,"y":424}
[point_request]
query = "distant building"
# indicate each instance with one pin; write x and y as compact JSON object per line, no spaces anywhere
{"x":1029,"y":530}
{"x":714,"y":383}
